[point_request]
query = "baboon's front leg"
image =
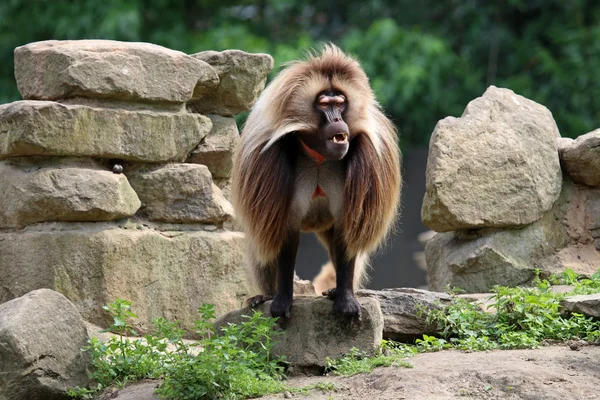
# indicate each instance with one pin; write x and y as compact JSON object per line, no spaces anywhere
{"x":286,"y":260}
{"x":344,"y":303}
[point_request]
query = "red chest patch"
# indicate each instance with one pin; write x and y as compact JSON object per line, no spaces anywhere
{"x":319,"y":192}
{"x":315,"y":156}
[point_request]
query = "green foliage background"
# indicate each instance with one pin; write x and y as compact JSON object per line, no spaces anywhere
{"x":426,"y":59}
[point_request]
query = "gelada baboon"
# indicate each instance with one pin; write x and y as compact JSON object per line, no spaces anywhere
{"x":316,"y":154}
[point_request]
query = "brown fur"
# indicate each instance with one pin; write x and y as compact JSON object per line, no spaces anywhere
{"x":263,"y":172}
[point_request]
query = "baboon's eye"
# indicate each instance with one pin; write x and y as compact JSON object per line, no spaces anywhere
{"x":325,"y":100}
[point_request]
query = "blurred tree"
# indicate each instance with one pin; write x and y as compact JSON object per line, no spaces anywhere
{"x":426,"y":59}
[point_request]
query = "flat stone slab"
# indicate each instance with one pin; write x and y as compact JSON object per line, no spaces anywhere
{"x":41,"y":337}
{"x":166,"y":274}
{"x":180,"y":193}
{"x":588,"y":305}
{"x":405,"y":310}
{"x":65,"y":190}
{"x":216,"y":149}
{"x":581,"y":158}
{"x":108,"y":69}
{"x":496,"y":166}
{"x":314,"y":332}
{"x":242,"y":76}
{"x":44,"y":128}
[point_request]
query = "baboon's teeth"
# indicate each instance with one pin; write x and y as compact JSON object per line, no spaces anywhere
{"x":340,"y":138}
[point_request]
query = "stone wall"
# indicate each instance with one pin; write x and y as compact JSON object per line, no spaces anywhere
{"x":112,"y":170}
{"x":508,"y":195}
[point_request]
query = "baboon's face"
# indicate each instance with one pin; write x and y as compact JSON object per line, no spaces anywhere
{"x":331,"y":139}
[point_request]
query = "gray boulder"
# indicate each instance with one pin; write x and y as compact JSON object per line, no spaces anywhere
{"x":242,"y":76}
{"x":314,"y":333}
{"x":66,"y":190}
{"x":54,"y":69}
{"x":581,"y":158}
{"x":216,"y":149}
{"x":588,"y":305}
{"x":496,"y":166}
{"x":180,"y":193}
{"x":41,"y":337}
{"x":405,"y":310}
{"x":45,"y":128}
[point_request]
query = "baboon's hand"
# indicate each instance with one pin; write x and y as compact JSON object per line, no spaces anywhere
{"x":256,"y":301}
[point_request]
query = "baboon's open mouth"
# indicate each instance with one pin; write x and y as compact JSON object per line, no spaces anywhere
{"x":339,"y":138}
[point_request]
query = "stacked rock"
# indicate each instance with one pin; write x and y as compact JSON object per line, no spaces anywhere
{"x":580,"y":159}
{"x":496,"y":193}
{"x":108,"y":170}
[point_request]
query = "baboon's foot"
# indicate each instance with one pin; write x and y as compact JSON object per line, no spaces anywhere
{"x":257,"y":300}
{"x":347,"y":307}
{"x":344,"y":303}
{"x":281,"y":307}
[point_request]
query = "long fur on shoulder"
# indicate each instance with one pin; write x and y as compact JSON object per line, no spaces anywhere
{"x":263,"y":173}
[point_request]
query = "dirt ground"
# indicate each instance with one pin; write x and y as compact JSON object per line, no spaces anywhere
{"x":552,"y":372}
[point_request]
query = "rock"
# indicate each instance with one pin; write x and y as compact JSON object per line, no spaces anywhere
{"x":583,"y":259}
{"x":304,"y":287}
{"x":225,"y":185}
{"x":588,"y":305}
{"x":242,"y":77}
{"x":314,"y":332}
{"x":216,"y":150}
{"x":572,"y":208}
{"x":476,"y":261}
{"x":577,"y":210}
{"x":43,"y":128}
{"x":41,"y":337}
{"x":164,"y":273}
{"x":54,"y":69}
{"x":180,"y":193}
{"x":592,"y":209}
{"x":581,"y":158}
{"x":497,"y":166}
{"x":563,"y":143}
{"x":136,"y":391}
{"x":404,"y":311}
{"x":69,"y":190}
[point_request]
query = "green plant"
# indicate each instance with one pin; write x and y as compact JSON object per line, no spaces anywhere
{"x":431,"y":343}
{"x":235,"y":364}
{"x":356,"y":361}
{"x":522,"y":317}
{"x":120,"y":359}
